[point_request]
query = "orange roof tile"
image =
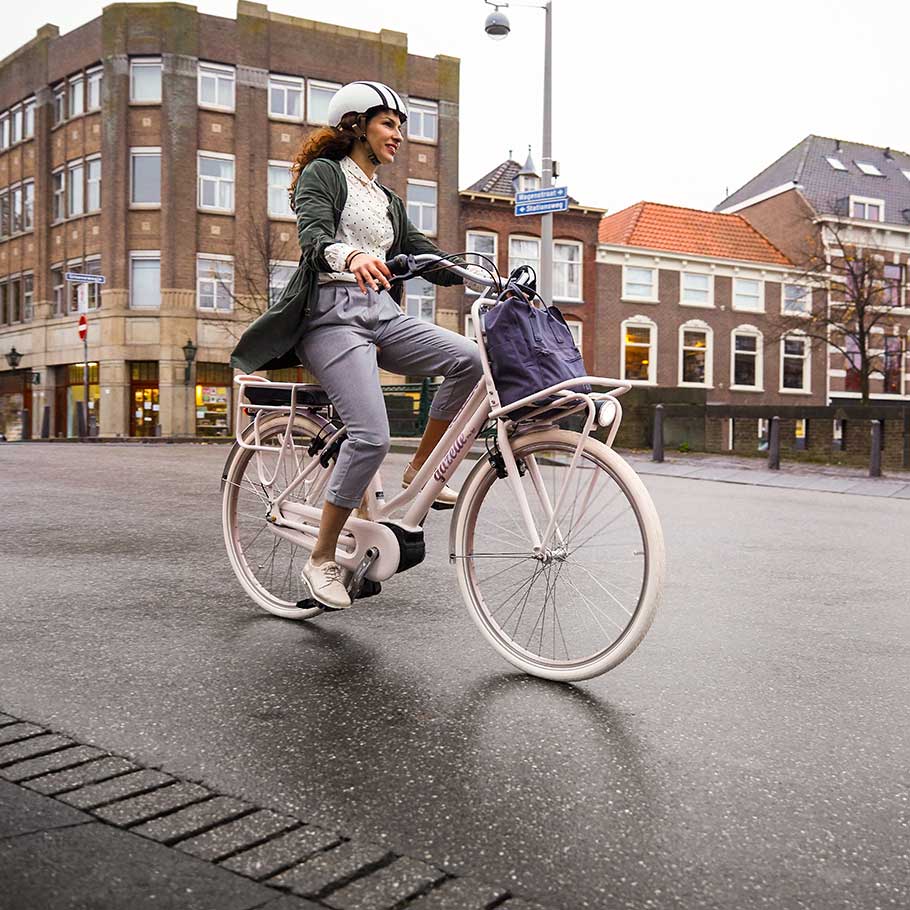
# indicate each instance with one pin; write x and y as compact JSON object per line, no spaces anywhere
{"x":654,"y":226}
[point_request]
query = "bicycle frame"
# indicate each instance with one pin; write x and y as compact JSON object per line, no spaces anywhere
{"x":300,"y":522}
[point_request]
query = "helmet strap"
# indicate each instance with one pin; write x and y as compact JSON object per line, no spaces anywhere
{"x":359,"y":130}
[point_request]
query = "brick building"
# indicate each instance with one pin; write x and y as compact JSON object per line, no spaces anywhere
{"x":488,"y":225}
{"x":824,"y":197}
{"x":151,"y":145}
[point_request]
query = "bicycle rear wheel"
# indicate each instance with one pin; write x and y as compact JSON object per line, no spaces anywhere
{"x":584,"y":605}
{"x":268,"y":566}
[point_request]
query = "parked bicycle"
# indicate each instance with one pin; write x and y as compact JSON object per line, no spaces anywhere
{"x":556,"y":544}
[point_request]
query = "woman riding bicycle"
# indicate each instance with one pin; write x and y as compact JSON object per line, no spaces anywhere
{"x":340,"y":317}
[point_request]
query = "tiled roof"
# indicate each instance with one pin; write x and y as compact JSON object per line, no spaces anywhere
{"x":500,"y":181}
{"x":653,"y":226}
{"x":828,"y":189}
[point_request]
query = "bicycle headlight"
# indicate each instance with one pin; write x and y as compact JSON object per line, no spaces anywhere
{"x":606,"y":412}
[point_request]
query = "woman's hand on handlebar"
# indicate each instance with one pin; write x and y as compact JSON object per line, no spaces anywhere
{"x":370,"y":271}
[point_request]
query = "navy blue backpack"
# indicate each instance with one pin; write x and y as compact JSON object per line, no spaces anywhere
{"x":529,"y":348}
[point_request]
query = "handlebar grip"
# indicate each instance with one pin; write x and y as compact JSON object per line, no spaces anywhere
{"x":399,"y":265}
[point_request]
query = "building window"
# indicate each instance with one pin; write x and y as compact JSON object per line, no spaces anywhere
{"x":483,"y":242}
{"x":867,"y":209}
{"x":795,"y":363}
{"x":836,"y":163}
{"x":4,"y":132}
{"x":76,"y":188}
{"x":748,"y":294}
{"x":420,"y":298}
{"x":93,"y":291}
{"x":17,"y":209}
{"x":695,"y":289}
{"x":216,"y":182}
{"x":566,"y":270}
{"x":28,"y":297}
{"x":214,"y":283}
{"x":423,"y":120}
{"x":280,"y":273}
{"x":4,"y":214}
{"x":28,"y":128}
{"x":695,"y":354}
{"x":800,"y":433}
{"x":28,"y":205}
{"x":892,"y":365}
{"x":145,"y":281}
{"x":796,"y":300}
{"x":93,"y":185}
{"x":77,"y":96}
{"x":528,"y":182}
{"x":575,"y":328}
{"x":319,"y":94}
{"x":58,"y":189}
{"x":93,"y":78}
{"x":216,"y":86}
{"x":869,"y":169}
{"x":524,"y":251}
{"x":853,"y":364}
{"x":145,"y":177}
{"x":893,"y":285}
{"x":14,"y":294}
{"x":58,"y":290}
{"x":639,"y":283}
{"x":16,"y":124}
{"x":279,"y":180}
{"x":145,"y":81}
{"x":747,"y":359}
{"x":93,"y":267}
{"x":286,"y":97}
{"x":639,"y":354}
{"x":422,"y":205}
{"x":59,"y":104}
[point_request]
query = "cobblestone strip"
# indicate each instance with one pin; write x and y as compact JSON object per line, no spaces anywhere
{"x":328,"y":869}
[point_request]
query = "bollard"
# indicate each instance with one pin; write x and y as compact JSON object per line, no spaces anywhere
{"x":46,"y":423}
{"x":875,"y":460}
{"x":774,"y":444}
{"x":80,"y":420}
{"x":658,"y":437}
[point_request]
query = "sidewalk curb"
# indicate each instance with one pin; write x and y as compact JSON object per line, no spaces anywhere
{"x":273,"y":849}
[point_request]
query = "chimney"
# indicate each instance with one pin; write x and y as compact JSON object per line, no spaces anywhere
{"x":888,"y":154}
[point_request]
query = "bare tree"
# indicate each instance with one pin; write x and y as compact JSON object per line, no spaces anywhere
{"x":858,"y":294}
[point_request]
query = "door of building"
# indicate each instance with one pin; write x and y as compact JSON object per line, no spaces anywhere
{"x":145,"y":410}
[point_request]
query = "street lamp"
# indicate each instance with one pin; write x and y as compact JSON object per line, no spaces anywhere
{"x":497,"y":27}
{"x":13,"y":358}
{"x":189,"y":352}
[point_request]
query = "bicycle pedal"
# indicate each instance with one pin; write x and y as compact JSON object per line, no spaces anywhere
{"x":369,"y":588}
{"x":442,"y":506}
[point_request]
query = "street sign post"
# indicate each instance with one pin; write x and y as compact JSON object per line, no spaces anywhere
{"x":83,"y":334}
{"x":543,"y":201}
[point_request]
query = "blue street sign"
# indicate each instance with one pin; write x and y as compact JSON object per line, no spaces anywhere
{"x":542,"y":195}
{"x":81,"y":277}
{"x":541,"y":208}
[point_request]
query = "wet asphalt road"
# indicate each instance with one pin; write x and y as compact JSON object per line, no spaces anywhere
{"x":752,"y":753}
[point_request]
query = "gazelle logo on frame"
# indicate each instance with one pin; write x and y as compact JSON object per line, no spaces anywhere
{"x":451,"y":455}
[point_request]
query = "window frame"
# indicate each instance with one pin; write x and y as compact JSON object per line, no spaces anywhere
{"x":639,"y":322}
{"x":58,"y":196}
{"x":283,"y":264}
{"x":29,"y":106}
{"x":709,"y":305}
{"x":147,"y":151}
{"x":58,"y":303}
{"x":807,"y":294}
{"x":512,"y":263}
{"x":93,"y":76}
{"x":317,"y":83}
{"x":758,"y":358}
{"x":214,"y":257}
{"x":421,"y":297}
{"x":4,"y":131}
{"x":581,"y":256}
{"x":140,"y":62}
{"x":77,"y":81}
{"x":655,"y":284}
{"x":28,"y":205}
{"x":482,"y":263}
{"x":423,"y":106}
{"x":289,"y":81}
{"x":696,"y":325}
{"x":135,"y":255}
{"x":16,"y":116}
{"x":58,"y":104}
{"x":412,"y":181}
{"x":761,"y":295}
{"x":223,"y":156}
{"x":89,"y":161}
{"x":79,"y":184}
{"x":285,"y":215}
{"x":216,"y":70}
{"x":866,"y":201}
{"x":806,"y":388}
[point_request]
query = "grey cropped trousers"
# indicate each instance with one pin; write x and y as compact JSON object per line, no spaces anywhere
{"x":350,"y":335}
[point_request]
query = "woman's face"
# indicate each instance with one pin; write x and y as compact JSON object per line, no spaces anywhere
{"x":384,"y":135}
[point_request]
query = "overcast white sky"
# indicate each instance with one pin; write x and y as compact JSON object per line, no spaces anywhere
{"x":667,"y":101}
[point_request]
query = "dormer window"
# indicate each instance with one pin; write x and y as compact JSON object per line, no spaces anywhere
{"x":528,"y":182}
{"x":836,"y":163}
{"x":867,"y":209}
{"x":870,"y":170}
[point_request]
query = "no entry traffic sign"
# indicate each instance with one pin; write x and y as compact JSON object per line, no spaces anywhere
{"x":83,"y":327}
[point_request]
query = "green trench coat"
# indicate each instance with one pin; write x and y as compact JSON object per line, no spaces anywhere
{"x":322,"y":190}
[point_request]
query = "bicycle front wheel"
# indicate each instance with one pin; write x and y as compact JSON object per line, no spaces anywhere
{"x":584,"y":604}
{"x":267,"y":565}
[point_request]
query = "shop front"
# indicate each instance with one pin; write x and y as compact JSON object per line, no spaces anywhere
{"x":71,"y":395}
{"x":214,"y":394}
{"x":145,"y":409}
{"x":15,"y":403}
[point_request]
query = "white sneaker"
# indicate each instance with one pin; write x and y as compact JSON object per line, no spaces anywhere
{"x":447,"y":496}
{"x":326,"y":587}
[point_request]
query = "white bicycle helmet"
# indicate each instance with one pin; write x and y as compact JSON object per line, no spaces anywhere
{"x":362,"y":97}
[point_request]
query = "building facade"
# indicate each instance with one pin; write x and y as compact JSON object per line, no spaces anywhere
{"x":152,"y":146}
{"x":489,"y":226}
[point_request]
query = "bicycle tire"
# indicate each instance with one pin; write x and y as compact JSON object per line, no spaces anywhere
{"x":638,"y":522}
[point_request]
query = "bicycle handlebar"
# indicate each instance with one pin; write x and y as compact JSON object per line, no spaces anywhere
{"x":403,"y":266}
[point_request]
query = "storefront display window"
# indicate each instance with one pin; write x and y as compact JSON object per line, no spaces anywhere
{"x":213,"y":399}
{"x":75,"y":395}
{"x":145,"y":408}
